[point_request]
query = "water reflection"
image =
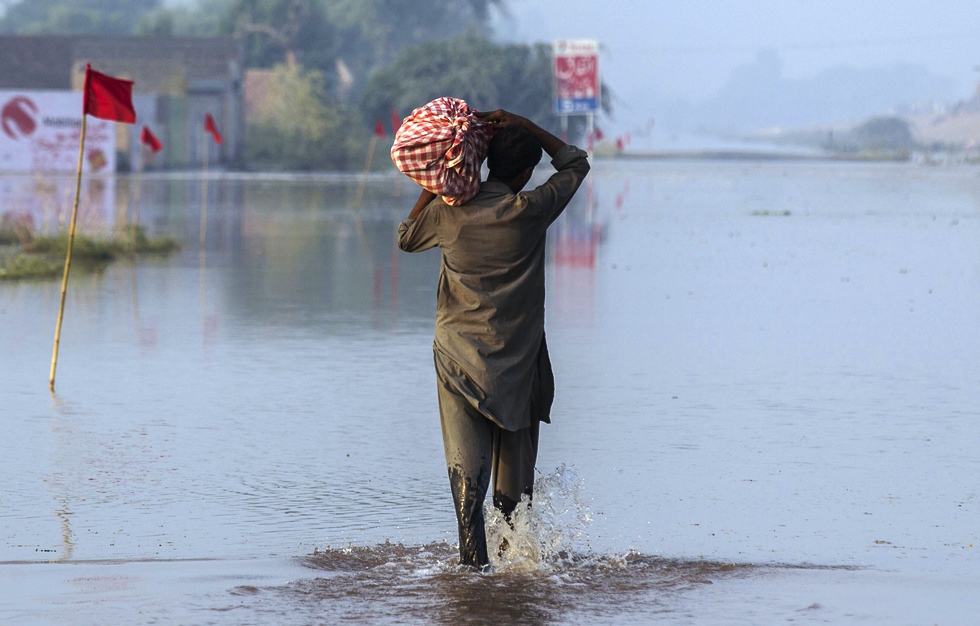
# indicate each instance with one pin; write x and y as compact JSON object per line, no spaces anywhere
{"x":756,"y":363}
{"x":61,"y":486}
{"x":44,"y":201}
{"x":303,"y":254}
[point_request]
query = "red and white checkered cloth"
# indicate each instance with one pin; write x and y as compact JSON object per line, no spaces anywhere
{"x":441,"y":146}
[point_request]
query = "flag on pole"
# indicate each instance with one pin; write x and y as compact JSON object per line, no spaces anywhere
{"x":396,"y":122}
{"x":598,"y":134}
{"x":147,"y":138}
{"x":379,"y":129}
{"x":211,"y":127}
{"x":107,"y":97}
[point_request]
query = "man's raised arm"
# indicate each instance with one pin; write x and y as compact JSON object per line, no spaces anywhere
{"x":424,"y":199}
{"x":549,"y":142}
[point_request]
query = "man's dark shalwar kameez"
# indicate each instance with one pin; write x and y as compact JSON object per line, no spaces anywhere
{"x":494,"y":376}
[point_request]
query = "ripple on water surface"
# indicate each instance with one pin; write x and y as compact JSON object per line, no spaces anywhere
{"x":423,"y":584}
{"x":545,"y":574}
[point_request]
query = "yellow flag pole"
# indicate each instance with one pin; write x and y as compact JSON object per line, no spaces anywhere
{"x":71,"y":240}
{"x":367,"y":168}
{"x":204,"y":193}
{"x":202,"y":252}
{"x":360,"y":197}
{"x":136,"y":199}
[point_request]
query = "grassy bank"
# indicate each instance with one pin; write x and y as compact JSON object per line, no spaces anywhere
{"x":24,"y":258}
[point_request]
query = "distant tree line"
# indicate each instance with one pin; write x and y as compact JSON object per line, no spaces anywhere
{"x":337,"y":65}
{"x":877,"y":136}
{"x":100,"y":17}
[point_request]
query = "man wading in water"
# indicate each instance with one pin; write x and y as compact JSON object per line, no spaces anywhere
{"x":495,"y":382}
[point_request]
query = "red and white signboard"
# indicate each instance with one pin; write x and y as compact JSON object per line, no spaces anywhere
{"x":576,"y":76}
{"x":39,"y":132}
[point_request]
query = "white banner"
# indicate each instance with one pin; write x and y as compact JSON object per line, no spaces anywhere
{"x":39,"y":132}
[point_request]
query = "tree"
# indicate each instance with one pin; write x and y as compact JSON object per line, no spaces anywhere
{"x":374,"y":33}
{"x":884,"y":134}
{"x":878,"y":135}
{"x":297,"y":129}
{"x":486,"y":75}
{"x":275,"y":31}
{"x":203,"y":19}
{"x":101,"y":17}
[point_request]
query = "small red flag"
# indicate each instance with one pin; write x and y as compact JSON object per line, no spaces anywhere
{"x":149,"y":139}
{"x":619,"y":143}
{"x":396,"y":122}
{"x":107,"y":97}
{"x":598,"y":134}
{"x":211,"y":127}
{"x":379,"y":129}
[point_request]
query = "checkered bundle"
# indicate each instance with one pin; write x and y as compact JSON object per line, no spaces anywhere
{"x":441,"y":146}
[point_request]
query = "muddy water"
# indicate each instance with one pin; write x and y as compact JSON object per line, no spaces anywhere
{"x":768,"y":409}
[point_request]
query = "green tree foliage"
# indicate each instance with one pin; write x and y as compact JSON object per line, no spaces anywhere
{"x":486,"y":75}
{"x":877,"y":136}
{"x":360,"y":34}
{"x":379,"y":54}
{"x":103,"y":17}
{"x":201,"y":20}
{"x":373,"y":33}
{"x":274,"y":31}
{"x":884,"y":134}
{"x":297,"y":129}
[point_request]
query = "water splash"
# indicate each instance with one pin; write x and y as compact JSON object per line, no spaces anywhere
{"x":544,"y":572}
{"x":548,"y":535}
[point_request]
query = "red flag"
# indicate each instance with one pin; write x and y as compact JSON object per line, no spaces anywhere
{"x":148,"y":138}
{"x":598,"y":134}
{"x":396,"y":122}
{"x":379,"y":129}
{"x":211,"y":127}
{"x":108,"y":98}
{"x":619,"y":143}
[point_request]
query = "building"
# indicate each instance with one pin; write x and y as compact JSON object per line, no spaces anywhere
{"x":177,"y":81}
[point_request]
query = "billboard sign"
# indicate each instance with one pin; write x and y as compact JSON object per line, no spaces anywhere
{"x":39,"y":132}
{"x":576,"y":73}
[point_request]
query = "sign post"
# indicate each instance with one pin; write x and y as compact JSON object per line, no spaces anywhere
{"x":577,"y":85}
{"x":576,"y":74}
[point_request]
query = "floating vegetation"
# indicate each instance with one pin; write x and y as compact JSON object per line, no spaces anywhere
{"x":16,"y":227}
{"x":153,"y":245}
{"x":22,"y":265}
{"x":87,"y":250}
{"x":38,"y":257}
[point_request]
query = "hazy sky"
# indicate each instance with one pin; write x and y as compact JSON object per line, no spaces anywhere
{"x":688,"y":48}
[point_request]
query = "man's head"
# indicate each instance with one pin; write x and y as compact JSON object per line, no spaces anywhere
{"x":512,"y":156}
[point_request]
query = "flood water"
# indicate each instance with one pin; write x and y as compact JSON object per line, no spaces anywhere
{"x":768,"y":410}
